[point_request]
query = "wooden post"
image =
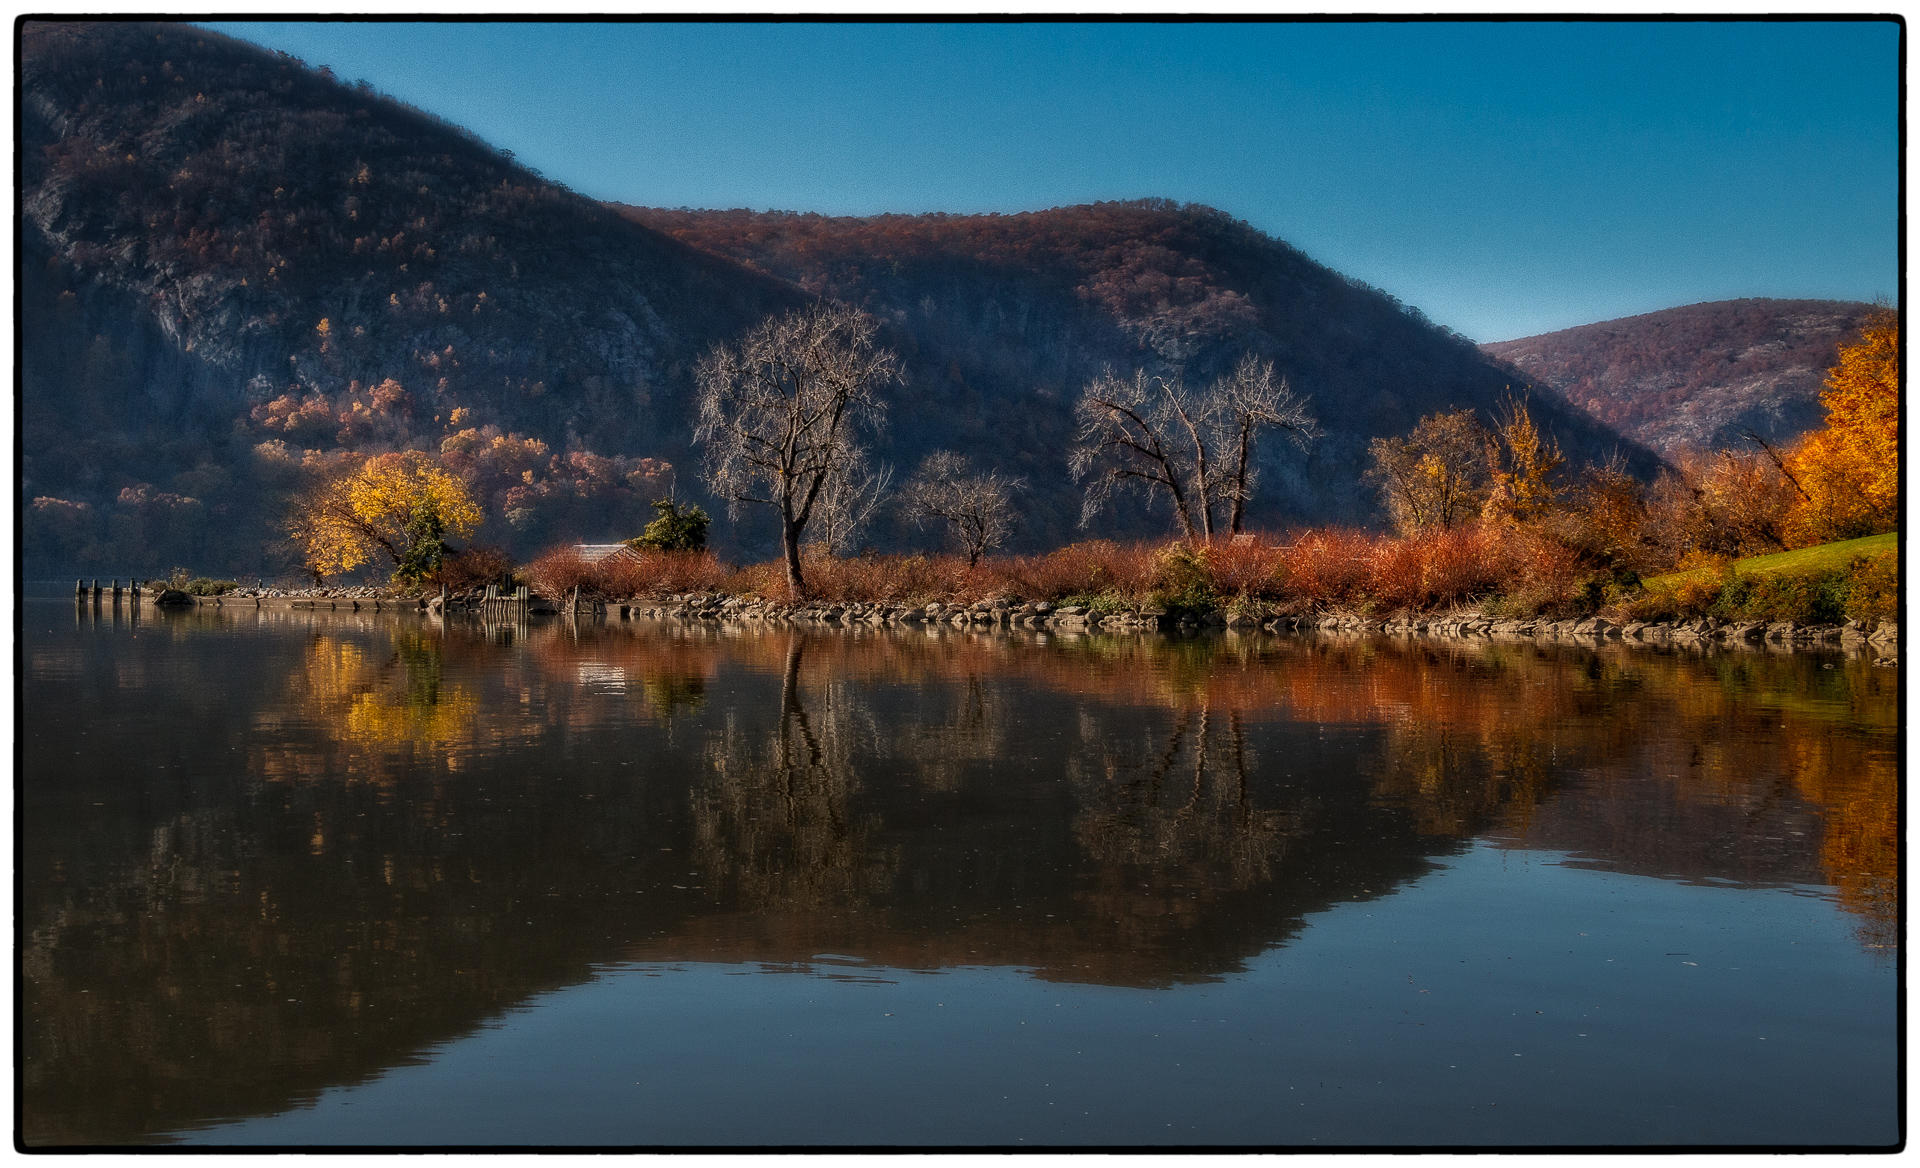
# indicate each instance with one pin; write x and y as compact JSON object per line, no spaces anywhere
{"x":79,"y":588}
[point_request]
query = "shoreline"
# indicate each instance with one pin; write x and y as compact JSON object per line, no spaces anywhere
{"x":1046,"y":617}
{"x":1042,"y":616}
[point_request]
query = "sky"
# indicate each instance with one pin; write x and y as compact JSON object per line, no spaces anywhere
{"x":1506,"y":178}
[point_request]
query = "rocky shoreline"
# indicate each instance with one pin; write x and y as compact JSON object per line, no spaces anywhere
{"x":1045,"y":616}
{"x":1042,"y":615}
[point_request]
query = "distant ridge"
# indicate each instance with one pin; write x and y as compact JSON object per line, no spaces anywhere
{"x":1701,"y":376}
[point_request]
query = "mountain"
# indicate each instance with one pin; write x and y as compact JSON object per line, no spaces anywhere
{"x":1010,"y":315}
{"x":239,"y":271}
{"x":1696,"y":377}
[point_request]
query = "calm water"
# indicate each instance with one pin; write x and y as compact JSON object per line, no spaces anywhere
{"x":297,"y":878}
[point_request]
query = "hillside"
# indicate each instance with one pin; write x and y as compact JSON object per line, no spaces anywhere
{"x":1011,"y":314}
{"x":239,"y":271}
{"x":1699,"y":376}
{"x":237,"y":268}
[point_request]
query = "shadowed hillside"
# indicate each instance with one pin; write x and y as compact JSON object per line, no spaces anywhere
{"x":237,"y":267}
{"x":1699,"y":376}
{"x":1011,"y":315}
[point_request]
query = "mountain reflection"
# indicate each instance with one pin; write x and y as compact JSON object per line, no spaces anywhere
{"x":268,"y":853}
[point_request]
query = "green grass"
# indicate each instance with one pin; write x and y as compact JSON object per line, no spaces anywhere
{"x":1819,"y":558}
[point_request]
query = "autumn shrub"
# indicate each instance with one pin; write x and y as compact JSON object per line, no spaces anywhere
{"x":1690,"y":597}
{"x":1460,"y":565}
{"x":1088,"y":568}
{"x":767,"y":579}
{"x":558,"y":572}
{"x":1873,"y":591}
{"x":1802,"y":597}
{"x":474,"y":567}
{"x":1393,"y":572}
{"x":887,"y":578}
{"x":1327,"y":567}
{"x":1544,"y":576}
{"x":1866,"y":590}
{"x":648,"y":572}
{"x":1182,"y":582}
{"x":1250,"y":569}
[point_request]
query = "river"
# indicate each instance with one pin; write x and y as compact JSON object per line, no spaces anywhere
{"x":314,"y":878}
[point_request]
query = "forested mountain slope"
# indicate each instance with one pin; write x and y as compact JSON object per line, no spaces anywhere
{"x":239,"y":271}
{"x":236,"y":268}
{"x":1011,"y":315}
{"x":1700,"y":376}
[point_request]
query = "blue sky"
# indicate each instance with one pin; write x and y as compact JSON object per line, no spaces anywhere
{"x":1507,"y":178}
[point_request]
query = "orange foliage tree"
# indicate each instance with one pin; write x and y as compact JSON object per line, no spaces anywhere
{"x":1849,"y":472}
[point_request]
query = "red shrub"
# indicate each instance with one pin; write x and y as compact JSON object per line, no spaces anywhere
{"x":1086,"y":568}
{"x":1245,"y":569}
{"x":472,"y":568}
{"x":649,"y":572}
{"x":556,"y":573}
{"x":1394,"y":572}
{"x":1542,"y":573}
{"x":1461,"y":565}
{"x":1329,"y":567}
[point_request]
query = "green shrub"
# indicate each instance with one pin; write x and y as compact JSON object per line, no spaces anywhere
{"x":675,"y":530}
{"x":203,"y":586}
{"x":1182,"y":581}
{"x":1097,"y":603}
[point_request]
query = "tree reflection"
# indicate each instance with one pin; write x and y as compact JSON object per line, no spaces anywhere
{"x":1180,"y":811}
{"x":774,"y":818}
{"x":424,"y":826}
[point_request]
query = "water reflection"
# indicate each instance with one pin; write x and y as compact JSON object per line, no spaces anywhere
{"x":270,"y":852}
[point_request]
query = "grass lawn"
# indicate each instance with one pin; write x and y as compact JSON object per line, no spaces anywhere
{"x":1819,"y":558}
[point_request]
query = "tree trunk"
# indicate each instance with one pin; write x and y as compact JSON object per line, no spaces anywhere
{"x":790,"y":547}
{"x":1240,"y":479}
{"x":1179,"y":503}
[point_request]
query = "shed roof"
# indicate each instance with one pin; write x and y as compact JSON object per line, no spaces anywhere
{"x":593,"y":553}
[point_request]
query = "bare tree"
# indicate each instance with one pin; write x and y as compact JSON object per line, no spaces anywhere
{"x":848,"y":501}
{"x":1196,"y":448}
{"x":1125,"y":442}
{"x":976,"y":506}
{"x":1241,"y":404}
{"x":780,"y":413}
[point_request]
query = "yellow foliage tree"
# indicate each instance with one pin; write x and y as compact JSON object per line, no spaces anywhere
{"x":1524,"y":464}
{"x":1849,"y":472}
{"x":377,"y":509}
